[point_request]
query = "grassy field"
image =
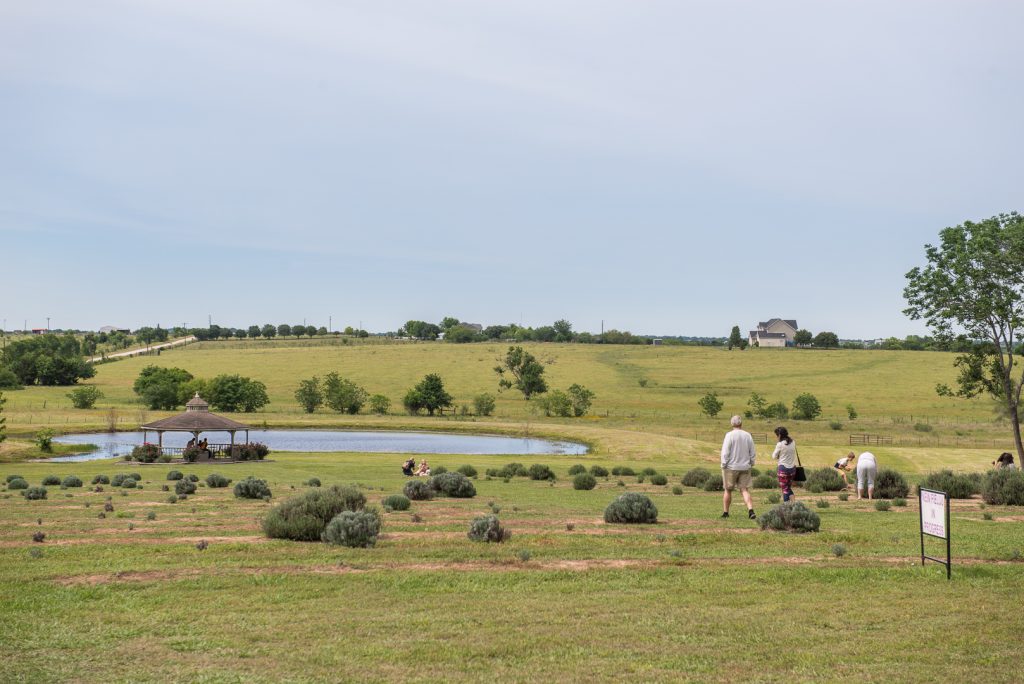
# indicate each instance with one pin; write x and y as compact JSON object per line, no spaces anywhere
{"x":692,"y":598}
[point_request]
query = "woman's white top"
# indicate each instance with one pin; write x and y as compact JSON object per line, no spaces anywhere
{"x":786,"y":453}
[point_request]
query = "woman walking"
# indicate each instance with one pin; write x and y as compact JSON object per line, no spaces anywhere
{"x":785,"y":453}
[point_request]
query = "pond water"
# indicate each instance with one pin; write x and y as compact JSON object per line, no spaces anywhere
{"x":116,"y":444}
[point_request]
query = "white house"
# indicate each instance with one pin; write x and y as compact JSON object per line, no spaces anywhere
{"x":776,"y":332}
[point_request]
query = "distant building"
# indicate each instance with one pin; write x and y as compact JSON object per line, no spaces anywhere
{"x":113,"y":329}
{"x":776,"y":332}
{"x":39,"y":331}
{"x":476,"y":327}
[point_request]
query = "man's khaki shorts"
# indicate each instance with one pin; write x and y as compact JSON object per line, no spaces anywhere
{"x":731,"y":479}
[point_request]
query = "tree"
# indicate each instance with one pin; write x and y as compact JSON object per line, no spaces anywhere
{"x":974,"y":283}
{"x":284,"y":330}
{"x":460,"y":334}
{"x":268,"y":331}
{"x":449,"y":322}
{"x":826,"y":340}
{"x":556,"y":403}
{"x":710,"y":404}
{"x":429,"y":394}
{"x":483,"y":404}
{"x":526,"y":371}
{"x":545,"y":333}
{"x":806,"y":407}
{"x":47,"y":360}
{"x":379,"y":404}
{"x":85,"y":397}
{"x":253,"y":332}
{"x":563,"y":330}
{"x":237,"y":393}
{"x":421,"y":330}
{"x":756,"y":406}
{"x":343,"y":395}
{"x":581,"y":399}
{"x":309,"y":395}
{"x":735,"y":339}
{"x":162,"y":389}
{"x":802,"y":338}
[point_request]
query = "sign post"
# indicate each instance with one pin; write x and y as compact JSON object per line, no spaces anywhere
{"x":934,"y":508}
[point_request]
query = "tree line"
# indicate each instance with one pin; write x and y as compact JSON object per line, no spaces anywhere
{"x":452,"y":329}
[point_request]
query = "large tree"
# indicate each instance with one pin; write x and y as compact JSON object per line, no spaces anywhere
{"x":526,"y":371}
{"x":974,"y":283}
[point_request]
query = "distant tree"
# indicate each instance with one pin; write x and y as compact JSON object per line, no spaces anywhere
{"x":85,"y":397}
{"x":974,"y":282}
{"x":214,"y":331}
{"x":803,"y":337}
{"x":735,"y":339}
{"x":449,"y":322}
{"x":89,"y":344}
{"x":563,"y":330}
{"x":756,"y":406}
{"x":268,"y":331}
{"x":806,"y":407}
{"x":8,"y":380}
{"x":349,"y":330}
{"x":322,"y":330}
{"x":710,"y":404}
{"x":253,"y":332}
{"x":309,"y":394}
{"x":239,"y":333}
{"x":460,"y":334}
{"x":284,"y":330}
{"x":851,"y":412}
{"x":299,"y":330}
{"x":526,"y":371}
{"x":556,"y":403}
{"x":428,"y":395}
{"x":49,"y":359}
{"x":495,"y":332}
{"x":545,"y":333}
{"x":237,"y":393}
{"x":826,"y":340}
{"x":422,"y":331}
{"x":483,"y":404}
{"x":145,"y":335}
{"x":581,"y":399}
{"x":380,"y":404}
{"x":162,"y":389}
{"x":343,"y":395}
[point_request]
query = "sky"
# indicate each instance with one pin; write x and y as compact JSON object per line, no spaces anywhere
{"x":671,"y":168}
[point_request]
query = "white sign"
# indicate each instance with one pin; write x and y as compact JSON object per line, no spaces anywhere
{"x":933,"y":513}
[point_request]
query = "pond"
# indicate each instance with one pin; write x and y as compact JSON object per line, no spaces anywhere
{"x":116,"y":444}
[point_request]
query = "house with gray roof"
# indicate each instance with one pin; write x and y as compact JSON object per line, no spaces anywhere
{"x":775,"y":332}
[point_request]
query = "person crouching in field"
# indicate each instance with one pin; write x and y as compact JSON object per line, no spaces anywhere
{"x":845,"y":465}
{"x":1005,"y":460}
{"x":785,"y":453}
{"x":408,"y":466}
{"x":737,"y":460}
{"x":867,"y":468}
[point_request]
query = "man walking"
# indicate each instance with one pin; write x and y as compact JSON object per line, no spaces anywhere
{"x":737,"y":460}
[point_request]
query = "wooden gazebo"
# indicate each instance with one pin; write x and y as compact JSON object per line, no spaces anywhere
{"x":196,"y":419}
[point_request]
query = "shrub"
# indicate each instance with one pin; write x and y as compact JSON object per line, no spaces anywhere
{"x":380,"y":404}
{"x":418,"y":490}
{"x":483,"y":404}
{"x":14,"y":477}
{"x":85,"y":397}
{"x":175,"y":475}
{"x":146,"y":453}
{"x":51,"y":481}
{"x":648,"y":471}
{"x":252,"y":488}
{"x":305,"y":517}
{"x":598,"y":471}
{"x":192,"y":477}
{"x":844,"y":496}
{"x":151,"y":515}
{"x":71,"y":481}
{"x":827,"y":478}
{"x":754,"y":472}
{"x":957,"y":486}
{"x":806,"y":407}
{"x":577,"y":469}
{"x":453,"y":484}
{"x":986,"y":516}
{"x":835,"y":424}
{"x":312,"y":482}
{"x":765,"y":481}
{"x":511,"y":470}
{"x":253,"y":451}
{"x":539,"y":471}
{"x":184,"y":486}
{"x":172,"y":499}
{"x":1004,"y":488}
{"x":773,"y":498}
{"x":659,"y":479}
{"x":39,"y":537}
{"x":922,"y":427}
{"x":396,"y":502}
{"x":882,"y":505}
{"x":44,"y":439}
{"x":623,"y":470}
{"x":35,"y":493}
{"x":355,"y":529}
{"x":696,"y":477}
{"x":438,"y":470}
{"x":838,"y":550}
{"x":217,"y":481}
{"x":714,"y":484}
{"x":129,"y":483}
{"x":190,"y":454}
{"x":889,"y":484}
{"x":467,"y":470}
{"x":677,"y":490}
{"x":101,"y":479}
{"x":899,"y":502}
{"x":777,"y":410}
{"x":584,"y":481}
{"x":821,"y":503}
{"x":815,"y":488}
{"x":488,"y":529}
{"x":792,"y":516}
{"x":631,"y":508}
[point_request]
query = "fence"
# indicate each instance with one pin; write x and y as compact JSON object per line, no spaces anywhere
{"x":877,"y":440}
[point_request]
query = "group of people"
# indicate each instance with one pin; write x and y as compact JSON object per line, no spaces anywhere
{"x":202,"y":445}
{"x":738,"y":457}
{"x":410,"y":469}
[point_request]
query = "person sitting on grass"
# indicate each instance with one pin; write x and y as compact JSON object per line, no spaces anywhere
{"x":407,"y":467}
{"x":424,"y":469}
{"x":845,"y":465}
{"x":1005,"y":460}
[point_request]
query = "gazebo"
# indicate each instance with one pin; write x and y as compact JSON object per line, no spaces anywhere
{"x":196,"y":419}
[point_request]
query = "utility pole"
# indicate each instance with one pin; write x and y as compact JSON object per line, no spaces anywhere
{"x":209,"y":321}
{"x":47,"y":324}
{"x":330,"y":324}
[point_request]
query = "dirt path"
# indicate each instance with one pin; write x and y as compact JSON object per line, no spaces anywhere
{"x":142,"y":350}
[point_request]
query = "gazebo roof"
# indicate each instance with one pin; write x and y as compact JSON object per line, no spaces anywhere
{"x":196,"y":418}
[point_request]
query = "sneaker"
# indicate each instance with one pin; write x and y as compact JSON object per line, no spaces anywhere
{"x":726,"y":514}
{"x":751,"y":514}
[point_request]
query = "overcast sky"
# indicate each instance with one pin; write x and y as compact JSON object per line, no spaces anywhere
{"x":666,"y":167}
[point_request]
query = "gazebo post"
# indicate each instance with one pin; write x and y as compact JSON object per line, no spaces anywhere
{"x":231,"y":449}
